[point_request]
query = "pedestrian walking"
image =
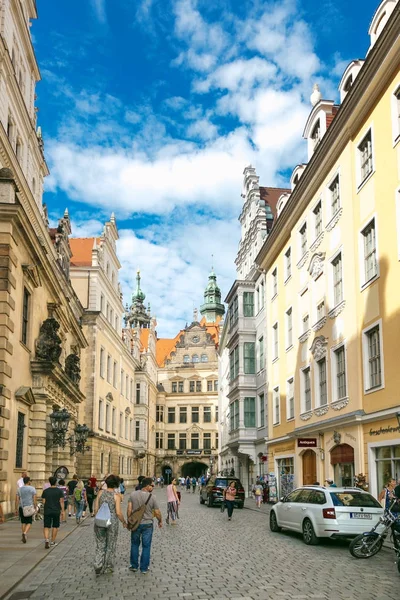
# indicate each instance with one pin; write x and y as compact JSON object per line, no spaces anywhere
{"x":25,"y":505}
{"x":106,"y":537}
{"x":121,"y":487}
{"x":229,"y":497}
{"x":194,"y":483}
{"x":172,"y":503}
{"x":188,"y":483}
{"x":80,"y":499}
{"x":143,"y":535}
{"x":63,"y":487}
{"x":71,"y":485}
{"x":20,"y":481}
{"x":53,"y":499}
{"x":330,"y":483}
{"x":93,"y":481}
{"x":139,"y":485}
{"x":258,"y":491}
{"x":90,"y":497}
{"x":387,"y":494}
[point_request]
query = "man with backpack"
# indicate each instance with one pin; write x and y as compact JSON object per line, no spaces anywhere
{"x":71,"y":485}
{"x":142,"y":508}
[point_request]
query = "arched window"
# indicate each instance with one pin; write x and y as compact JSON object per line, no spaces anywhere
{"x":186,"y":358}
{"x":204,"y":358}
{"x":195,"y":358}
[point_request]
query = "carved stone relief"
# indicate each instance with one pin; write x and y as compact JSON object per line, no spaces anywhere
{"x":318,"y":347}
{"x":316,"y":265}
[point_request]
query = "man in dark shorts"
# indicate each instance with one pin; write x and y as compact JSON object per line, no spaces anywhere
{"x":71,"y":485}
{"x":53,"y":499}
{"x":26,"y":496}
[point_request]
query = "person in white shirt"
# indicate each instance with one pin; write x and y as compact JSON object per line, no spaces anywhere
{"x":20,"y":481}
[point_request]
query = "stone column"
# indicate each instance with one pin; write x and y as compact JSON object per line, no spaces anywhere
{"x":38,"y":462}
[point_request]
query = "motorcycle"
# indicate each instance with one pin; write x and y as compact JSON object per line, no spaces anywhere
{"x":369,"y":543}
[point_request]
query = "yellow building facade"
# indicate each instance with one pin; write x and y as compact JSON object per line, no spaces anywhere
{"x":332,"y":272}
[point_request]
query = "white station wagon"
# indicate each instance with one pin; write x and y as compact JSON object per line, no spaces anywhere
{"x":319,"y":512}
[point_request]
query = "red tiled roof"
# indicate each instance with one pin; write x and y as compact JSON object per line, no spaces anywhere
{"x":271,"y":196}
{"x":82,"y":251}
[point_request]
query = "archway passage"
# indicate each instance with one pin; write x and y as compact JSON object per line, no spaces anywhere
{"x":167,"y":473}
{"x":342,"y":459}
{"x":194,"y":469}
{"x":309,"y":467}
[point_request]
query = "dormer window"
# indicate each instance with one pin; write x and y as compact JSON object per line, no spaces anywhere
{"x":348,"y":84}
{"x":295,"y":180}
{"x":316,"y":134}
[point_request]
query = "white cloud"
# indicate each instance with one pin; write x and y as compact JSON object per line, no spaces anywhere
{"x":99,"y":7}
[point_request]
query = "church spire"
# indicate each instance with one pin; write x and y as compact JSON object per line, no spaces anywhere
{"x":212,"y":307}
{"x":137,"y":315}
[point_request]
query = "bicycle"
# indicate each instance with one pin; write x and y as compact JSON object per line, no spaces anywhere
{"x":370,"y":543}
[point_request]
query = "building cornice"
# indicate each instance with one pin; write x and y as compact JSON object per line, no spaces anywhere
{"x":380,"y":64}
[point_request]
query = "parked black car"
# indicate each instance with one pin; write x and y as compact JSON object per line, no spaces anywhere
{"x":213,"y":492}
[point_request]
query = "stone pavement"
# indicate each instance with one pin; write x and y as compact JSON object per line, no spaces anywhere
{"x":207,"y":557}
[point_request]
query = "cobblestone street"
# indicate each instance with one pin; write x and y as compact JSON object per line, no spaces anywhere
{"x":205,"y":556}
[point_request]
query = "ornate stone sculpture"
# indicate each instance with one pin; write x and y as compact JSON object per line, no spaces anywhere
{"x":73,"y":368}
{"x":319,"y":346}
{"x":48,"y":345}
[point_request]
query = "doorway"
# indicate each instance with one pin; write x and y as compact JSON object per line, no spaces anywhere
{"x":342,"y":460}
{"x":309,"y":467}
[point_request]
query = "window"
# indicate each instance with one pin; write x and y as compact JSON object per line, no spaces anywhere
{"x":261,"y":353}
{"x":374,"y":367}
{"x":334,"y":191}
{"x":204,"y":358}
{"x":131,"y":391}
{"x":249,"y":352}
{"x":174,"y":387}
{"x":275,"y":341}
{"x":182,"y":441}
{"x":209,"y":386}
{"x":25,"y":316}
{"x":396,"y":114}
{"x":195,"y":358}
{"x":198,"y":386}
{"x":277,"y":407}
{"x":138,"y":393}
{"x":186,"y":358}
{"x":307,"y":389}
{"x":320,"y":310}
{"x":114,"y":421}
{"x":261,"y":405}
{"x":171,"y":441}
{"x":289,"y":328}
{"x":183,"y":414}
{"x":316,"y":134}
{"x":159,"y":413}
{"x":234,"y":363}
{"x":102,"y":362}
{"x":108,"y":411}
{"x":195,"y":441}
{"x":288,"y":264}
{"x":195,"y":414}
{"x":127,"y":386}
{"x":101,"y":416}
{"x":19,"y":450}
{"x":102,"y":463}
{"x":207,"y":414}
{"x":248,"y":304}
{"x":274,"y":282}
{"x":180,"y":387}
{"x":101,"y":302}
{"x":121,"y":424}
{"x":109,"y":368}
{"x":159,"y":440}
{"x":171,"y":414}
{"x":131,"y":429}
{"x":233,"y":312}
{"x":249,"y":412}
{"x":340,"y":366}
{"x":318,"y":219}
{"x":306,"y":323}
{"x":290,"y":399}
{"x":322,"y":387}
{"x":365,"y":156}
{"x":303,"y":239}
{"x":215,"y":385}
{"x":337,"y":280}
{"x":370,"y":263}
{"x":115,"y":374}
{"x":137,"y":431}
{"x":261,"y":300}
{"x":234,"y":415}
{"x":122,"y":382}
{"x":207,"y":441}
{"x":126,"y":428}
{"x":216,"y":414}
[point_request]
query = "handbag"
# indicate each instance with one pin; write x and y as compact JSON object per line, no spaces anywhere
{"x":103,"y":516}
{"x":135,"y":518}
{"x":28,"y":511}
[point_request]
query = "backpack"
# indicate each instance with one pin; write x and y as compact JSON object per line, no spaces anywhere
{"x":78,"y":494}
{"x":103,"y":516}
{"x":136,"y":516}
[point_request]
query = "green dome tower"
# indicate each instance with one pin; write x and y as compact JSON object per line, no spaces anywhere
{"x":212,"y":307}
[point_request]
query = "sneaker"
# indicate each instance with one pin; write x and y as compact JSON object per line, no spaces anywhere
{"x":47,"y":544}
{"x":52,"y":544}
{"x":98,"y":571}
{"x":108,"y":571}
{"x":133,"y":569}
{"x":229,"y":518}
{"x":144,"y":572}
{"x":69,"y":514}
{"x":24,"y":538}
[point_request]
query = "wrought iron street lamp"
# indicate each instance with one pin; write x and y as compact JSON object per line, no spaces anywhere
{"x":59,"y":426}
{"x":79,"y":439}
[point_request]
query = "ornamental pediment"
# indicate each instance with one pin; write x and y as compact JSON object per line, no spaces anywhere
{"x":319,"y":347}
{"x":316,"y":266}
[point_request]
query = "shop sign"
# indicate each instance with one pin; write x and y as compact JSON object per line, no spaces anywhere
{"x":384,"y":430}
{"x":307,"y":442}
{"x":196,"y":452}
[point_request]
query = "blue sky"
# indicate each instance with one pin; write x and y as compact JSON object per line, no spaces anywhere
{"x":152,"y":109}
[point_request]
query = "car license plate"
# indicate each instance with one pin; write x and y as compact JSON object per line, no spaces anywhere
{"x":360,"y":516}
